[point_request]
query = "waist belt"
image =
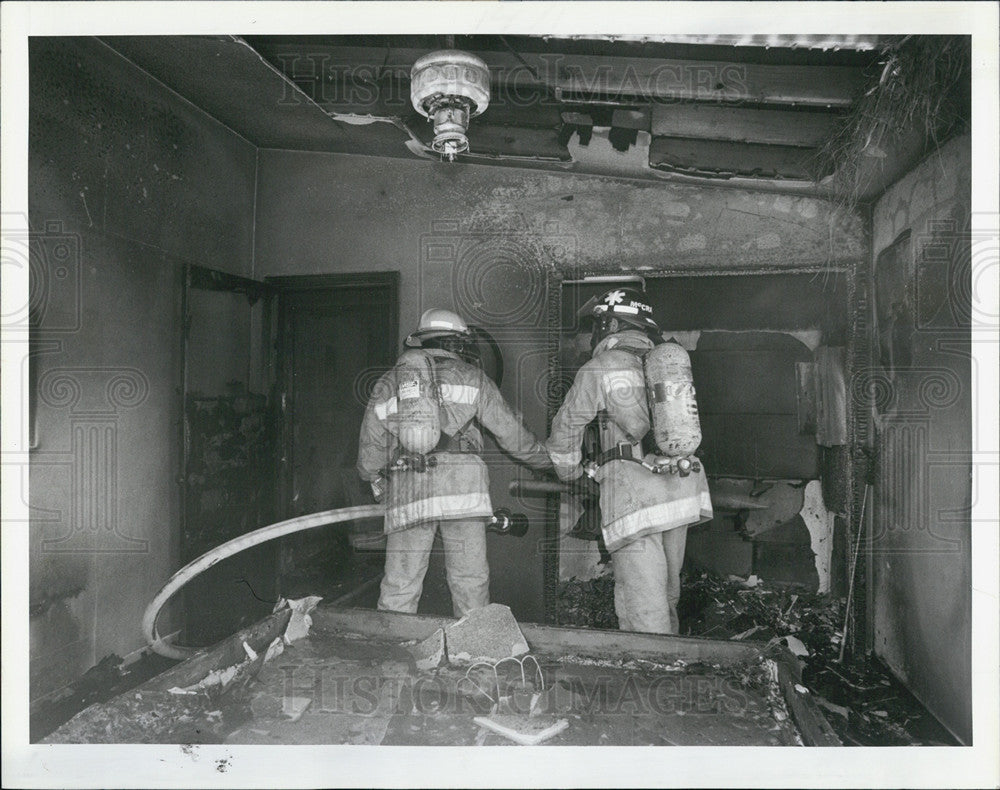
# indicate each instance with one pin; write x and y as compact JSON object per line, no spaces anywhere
{"x":458,"y":443}
{"x":419,"y":463}
{"x":623,"y":451}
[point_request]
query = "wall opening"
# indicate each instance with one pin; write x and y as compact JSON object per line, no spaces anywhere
{"x":762,"y":346}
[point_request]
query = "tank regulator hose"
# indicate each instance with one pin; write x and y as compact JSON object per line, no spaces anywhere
{"x":228,"y":549}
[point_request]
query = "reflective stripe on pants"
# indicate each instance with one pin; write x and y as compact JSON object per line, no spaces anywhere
{"x":407,"y":554}
{"x":648,"y":582}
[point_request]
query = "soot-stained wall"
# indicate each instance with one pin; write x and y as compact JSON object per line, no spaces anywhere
{"x":128,"y":183}
{"x":920,"y":558}
{"x":480,"y":240}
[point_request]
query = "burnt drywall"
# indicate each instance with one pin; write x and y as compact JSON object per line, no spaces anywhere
{"x":920,"y":594}
{"x":128,"y":183}
{"x":481,"y":240}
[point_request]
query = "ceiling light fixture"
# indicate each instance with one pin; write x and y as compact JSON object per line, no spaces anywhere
{"x":449,"y":88}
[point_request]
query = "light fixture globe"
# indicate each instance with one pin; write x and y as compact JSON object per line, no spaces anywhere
{"x":449,"y":87}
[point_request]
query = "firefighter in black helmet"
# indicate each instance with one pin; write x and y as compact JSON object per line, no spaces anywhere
{"x":644,"y":514}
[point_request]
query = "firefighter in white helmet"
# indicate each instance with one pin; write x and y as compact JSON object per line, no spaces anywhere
{"x":649,"y":494}
{"x":420,"y":449}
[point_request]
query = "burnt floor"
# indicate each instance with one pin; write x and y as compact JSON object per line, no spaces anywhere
{"x":862,"y":701}
{"x":337,"y":689}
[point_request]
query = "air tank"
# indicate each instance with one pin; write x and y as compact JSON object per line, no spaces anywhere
{"x":672,"y":404}
{"x":418,"y":417}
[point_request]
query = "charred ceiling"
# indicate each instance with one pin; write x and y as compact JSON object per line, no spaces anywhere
{"x":752,"y":112}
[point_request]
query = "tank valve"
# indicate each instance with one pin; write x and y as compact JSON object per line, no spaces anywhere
{"x":683,"y":466}
{"x":503,"y":522}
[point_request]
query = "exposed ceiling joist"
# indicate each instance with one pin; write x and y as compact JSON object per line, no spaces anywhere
{"x":743,"y":124}
{"x":860,"y":43}
{"x":558,"y":105}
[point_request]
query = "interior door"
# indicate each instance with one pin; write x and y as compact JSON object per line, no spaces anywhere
{"x":227,"y":472}
{"x":337,"y":335}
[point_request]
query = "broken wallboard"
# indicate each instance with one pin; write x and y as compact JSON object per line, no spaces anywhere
{"x":353,"y":680}
{"x":150,"y":713}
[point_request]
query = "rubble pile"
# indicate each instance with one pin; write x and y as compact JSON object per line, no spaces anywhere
{"x":864,"y":704}
{"x":587,"y":604}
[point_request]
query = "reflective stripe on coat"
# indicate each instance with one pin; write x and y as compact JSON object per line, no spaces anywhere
{"x":458,"y":487}
{"x":634,"y":501}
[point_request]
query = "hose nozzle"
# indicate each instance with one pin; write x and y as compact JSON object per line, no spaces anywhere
{"x":503,"y":522}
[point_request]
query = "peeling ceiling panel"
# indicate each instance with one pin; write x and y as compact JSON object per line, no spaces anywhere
{"x":230,"y":82}
{"x":724,"y":159}
{"x":750,"y":109}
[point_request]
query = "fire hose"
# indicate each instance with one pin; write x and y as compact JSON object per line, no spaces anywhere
{"x":721,"y":500}
{"x":503,"y":522}
{"x":228,"y":549}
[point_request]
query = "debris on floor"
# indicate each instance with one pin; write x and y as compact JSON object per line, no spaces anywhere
{"x":298,"y":625}
{"x":429,"y":653}
{"x":219,"y":680}
{"x":866,"y":705}
{"x":855,"y":693}
{"x":294,"y":707}
{"x":487,"y":634}
{"x":525,"y":730}
{"x":517,"y":690}
{"x":587,"y":604}
{"x":339,"y":688}
{"x":332,"y":687}
{"x":109,"y":677}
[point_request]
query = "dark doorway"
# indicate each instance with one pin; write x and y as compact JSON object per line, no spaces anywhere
{"x":336,"y":335}
{"x":227,"y":467}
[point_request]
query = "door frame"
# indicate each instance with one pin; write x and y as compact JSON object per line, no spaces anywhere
{"x":286,"y":285}
{"x":203,"y":278}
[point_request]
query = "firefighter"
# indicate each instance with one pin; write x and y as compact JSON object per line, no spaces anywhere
{"x":646,"y":505}
{"x":420,"y":449}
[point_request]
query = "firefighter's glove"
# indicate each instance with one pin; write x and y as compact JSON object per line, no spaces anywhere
{"x":379,"y":485}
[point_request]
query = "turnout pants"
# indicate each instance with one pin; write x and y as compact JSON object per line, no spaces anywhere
{"x":408,"y":552}
{"x":648,"y":582}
